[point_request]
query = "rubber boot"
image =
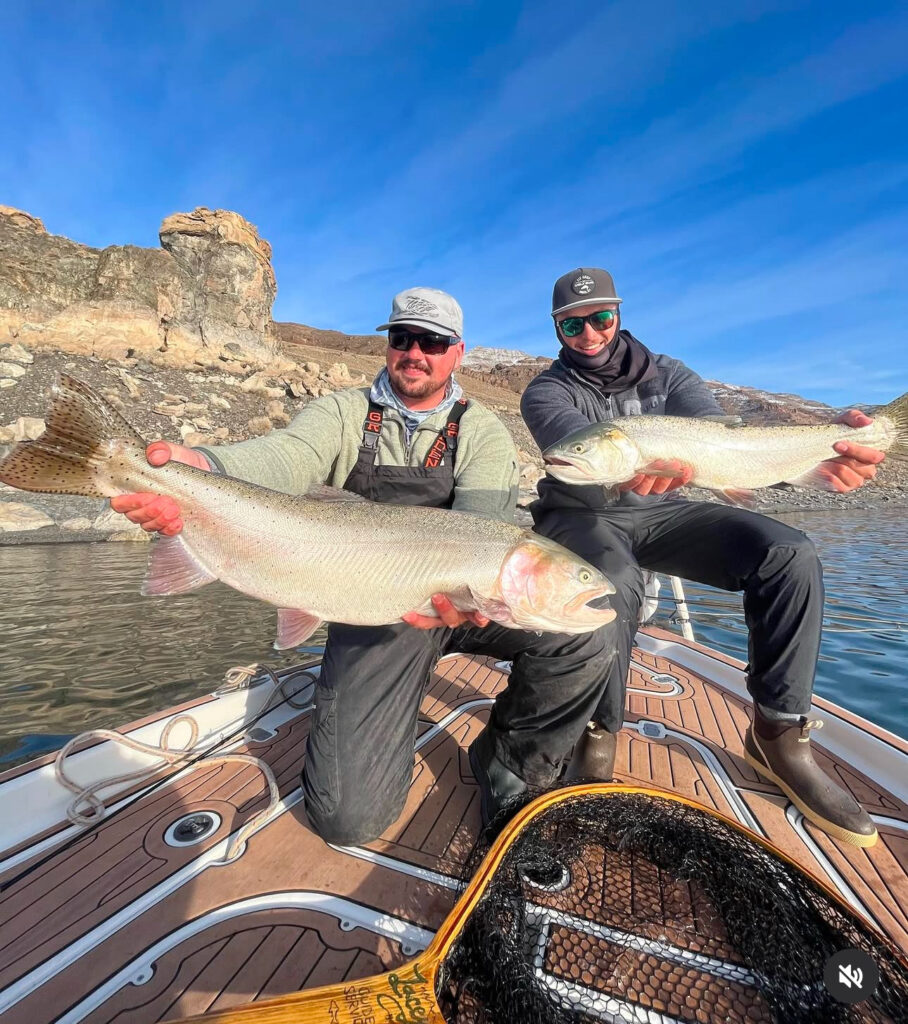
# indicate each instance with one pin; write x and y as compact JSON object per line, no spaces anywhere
{"x":498,"y":785}
{"x":780,"y":752}
{"x":594,"y":755}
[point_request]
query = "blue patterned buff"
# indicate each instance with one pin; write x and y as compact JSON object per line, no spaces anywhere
{"x":383,"y":394}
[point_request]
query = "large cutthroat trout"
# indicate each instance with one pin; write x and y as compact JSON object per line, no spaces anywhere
{"x":730,"y":460}
{"x":331,"y":556}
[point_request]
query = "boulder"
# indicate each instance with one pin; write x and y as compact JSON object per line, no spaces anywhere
{"x":76,"y":523}
{"x":16,"y":354}
{"x":28,"y":428}
{"x":223,"y":250}
{"x":338,"y":377}
{"x":16,"y":516}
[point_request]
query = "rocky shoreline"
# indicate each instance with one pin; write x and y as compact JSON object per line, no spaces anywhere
{"x":204,"y":406}
{"x":180,"y":339}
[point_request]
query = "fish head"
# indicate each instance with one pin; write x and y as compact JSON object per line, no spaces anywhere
{"x":547,"y":587}
{"x":599,"y":454}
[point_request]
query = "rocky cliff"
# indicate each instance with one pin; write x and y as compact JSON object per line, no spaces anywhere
{"x":205,"y":296}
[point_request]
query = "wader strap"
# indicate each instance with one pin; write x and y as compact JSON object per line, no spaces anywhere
{"x":371,"y":432}
{"x":446,"y":442}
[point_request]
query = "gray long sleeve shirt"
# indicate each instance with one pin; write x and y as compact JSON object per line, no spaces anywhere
{"x":321,"y":445}
{"x":559,"y":402}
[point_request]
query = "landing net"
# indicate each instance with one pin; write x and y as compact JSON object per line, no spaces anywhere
{"x":630,"y":907}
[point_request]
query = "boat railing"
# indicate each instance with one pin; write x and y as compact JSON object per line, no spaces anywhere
{"x":680,"y":617}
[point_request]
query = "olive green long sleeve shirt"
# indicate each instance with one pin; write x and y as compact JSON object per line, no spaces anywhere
{"x":321,"y":446}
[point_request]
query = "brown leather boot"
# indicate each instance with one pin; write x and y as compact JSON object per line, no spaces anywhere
{"x":594,"y":755}
{"x":780,"y":752}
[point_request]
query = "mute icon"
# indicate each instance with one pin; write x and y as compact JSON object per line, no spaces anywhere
{"x":851,"y":976}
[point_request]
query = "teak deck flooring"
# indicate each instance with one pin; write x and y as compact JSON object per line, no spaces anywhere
{"x":106,"y":930}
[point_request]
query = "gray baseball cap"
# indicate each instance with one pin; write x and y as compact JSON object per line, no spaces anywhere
{"x":426,"y":307}
{"x":585,"y":286}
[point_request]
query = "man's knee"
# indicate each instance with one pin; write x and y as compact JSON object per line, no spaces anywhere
{"x":792,"y":554}
{"x":353,"y":823}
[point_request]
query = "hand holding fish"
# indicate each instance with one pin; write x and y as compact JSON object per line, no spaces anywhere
{"x":672,"y":474}
{"x":857,"y":463}
{"x":448,"y":616}
{"x":157,"y":513}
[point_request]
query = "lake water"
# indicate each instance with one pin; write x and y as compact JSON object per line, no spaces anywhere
{"x":82,"y":649}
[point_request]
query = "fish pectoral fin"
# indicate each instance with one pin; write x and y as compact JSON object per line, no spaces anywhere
{"x":173,"y":569}
{"x":814,"y":479}
{"x":739,"y":496}
{"x":497,"y":611}
{"x":294,"y":627}
{"x":326,"y":493}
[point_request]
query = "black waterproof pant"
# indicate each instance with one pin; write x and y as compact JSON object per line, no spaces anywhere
{"x":360,"y":752}
{"x":728,"y":548}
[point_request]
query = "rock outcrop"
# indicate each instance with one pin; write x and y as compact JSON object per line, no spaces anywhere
{"x":205,"y":297}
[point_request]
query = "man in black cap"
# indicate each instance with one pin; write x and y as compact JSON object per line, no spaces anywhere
{"x":603,"y":372}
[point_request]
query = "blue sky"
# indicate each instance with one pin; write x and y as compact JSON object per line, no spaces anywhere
{"x":741,"y":167}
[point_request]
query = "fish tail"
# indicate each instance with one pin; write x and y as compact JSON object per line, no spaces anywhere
{"x":897,"y":411}
{"x":68,"y":458}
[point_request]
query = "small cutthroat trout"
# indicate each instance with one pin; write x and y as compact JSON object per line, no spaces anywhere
{"x":730,"y":460}
{"x":329,"y":556}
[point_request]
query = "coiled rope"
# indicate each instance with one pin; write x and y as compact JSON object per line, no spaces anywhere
{"x":87,"y":808}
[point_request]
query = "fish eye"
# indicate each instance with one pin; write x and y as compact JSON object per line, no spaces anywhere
{"x":578,"y":448}
{"x":585,"y":576}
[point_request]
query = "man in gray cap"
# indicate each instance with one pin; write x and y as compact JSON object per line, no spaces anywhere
{"x":603,"y":372}
{"x":408,"y":439}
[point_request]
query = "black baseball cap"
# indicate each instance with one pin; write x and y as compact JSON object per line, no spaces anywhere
{"x":585,"y":286}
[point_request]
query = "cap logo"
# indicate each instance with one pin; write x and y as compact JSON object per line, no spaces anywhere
{"x":583,"y":285}
{"x":417,"y":305}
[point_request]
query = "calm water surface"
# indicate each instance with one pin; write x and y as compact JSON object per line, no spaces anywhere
{"x":81,"y":649}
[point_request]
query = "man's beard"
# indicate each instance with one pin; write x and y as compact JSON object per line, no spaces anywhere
{"x":414,"y":388}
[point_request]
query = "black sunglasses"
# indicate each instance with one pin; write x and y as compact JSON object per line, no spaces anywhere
{"x":430,"y":344}
{"x":573,"y":325}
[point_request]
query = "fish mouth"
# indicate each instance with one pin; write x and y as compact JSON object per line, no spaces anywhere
{"x":579,"y":605}
{"x":566,"y":469}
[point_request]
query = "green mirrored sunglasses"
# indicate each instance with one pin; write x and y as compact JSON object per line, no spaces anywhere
{"x":601,"y":321}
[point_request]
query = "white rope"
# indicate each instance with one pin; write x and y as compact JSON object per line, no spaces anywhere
{"x":87,"y":807}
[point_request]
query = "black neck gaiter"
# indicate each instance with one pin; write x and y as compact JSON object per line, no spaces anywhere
{"x":619,"y":366}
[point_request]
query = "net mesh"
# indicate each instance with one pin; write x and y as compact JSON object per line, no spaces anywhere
{"x":629,"y":907}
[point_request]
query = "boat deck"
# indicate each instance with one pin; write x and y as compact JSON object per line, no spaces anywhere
{"x":120,"y":925}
